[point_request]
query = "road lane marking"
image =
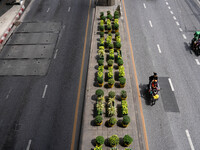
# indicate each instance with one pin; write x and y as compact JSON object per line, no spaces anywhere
{"x":169,"y":7}
{"x":167,"y":3}
{"x":172,"y":12}
{"x":69,"y":9}
{"x":189,"y":139}
{"x":177,"y":23}
{"x":174,"y":17}
{"x":180,"y":30}
{"x":48,"y":9}
{"x":170,"y":82}
{"x":198,"y":2}
{"x":136,"y":82}
{"x":44,"y":92}
{"x":158,"y":46}
{"x":197,"y":61}
{"x":184,"y":36}
{"x":80,"y":81}
{"x":29,"y":145}
{"x":8,"y":93}
{"x":144,"y":5}
{"x":150,"y":23}
{"x":55,"y":54}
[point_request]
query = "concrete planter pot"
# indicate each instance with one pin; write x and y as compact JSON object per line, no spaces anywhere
{"x":122,"y":85}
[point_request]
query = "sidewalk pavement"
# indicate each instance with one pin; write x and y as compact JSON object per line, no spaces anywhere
{"x":89,"y":131}
{"x":7,"y":21}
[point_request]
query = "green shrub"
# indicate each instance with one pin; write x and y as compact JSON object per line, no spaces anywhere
{"x":117,"y":34}
{"x":113,"y":140}
{"x":108,"y":13}
{"x":110,"y":62}
{"x":112,"y":121}
{"x":118,"y":39}
{"x":99,"y":106}
{"x":98,"y":147}
{"x":99,"y":140}
{"x":111,"y":110}
{"x":111,"y":46}
{"x":100,"y":80}
{"x":99,"y":92}
{"x":111,"y":94}
{"x":103,"y":18}
{"x":110,"y":35}
{"x":118,"y":45}
{"x":122,"y":80}
{"x":127,"y":139}
{"x":101,"y":28}
{"x":109,"y":16}
{"x":100,"y":68}
{"x":111,"y":81}
{"x":110,"y":74}
{"x":109,"y":27}
{"x":116,"y":26}
{"x":101,"y":34}
{"x":101,"y":14}
{"x":98,"y":119}
{"x":100,"y":62}
{"x":120,"y":62}
{"x":111,"y":56}
{"x":123,"y":94}
{"x":116,"y":13}
{"x":126,"y":120}
{"x":121,"y":73}
{"x":124,"y":107}
{"x":100,"y":74}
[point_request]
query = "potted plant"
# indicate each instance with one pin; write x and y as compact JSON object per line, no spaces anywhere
{"x":111,"y":94}
{"x":110,"y":62}
{"x":123,"y":95}
{"x":124,"y":107}
{"x":121,"y":72}
{"x":99,"y":107}
{"x":99,"y":140}
{"x":111,"y":83}
{"x":100,"y":81}
{"x":109,"y":28}
{"x":101,"y":34}
{"x":102,"y":28}
{"x":117,"y":34}
{"x":100,"y":68}
{"x":110,"y":74}
{"x":125,"y":121}
{"x":98,"y":120}
{"x":122,"y":82}
{"x":112,"y":121}
{"x":116,"y":27}
{"x":101,"y":53}
{"x":109,"y":16}
{"x":98,"y":147}
{"x":120,"y":61}
{"x":110,"y":46}
{"x":113,"y":140}
{"x":100,"y":62}
{"x":116,"y":14}
{"x":127,"y":140}
{"x":118,"y":45}
{"x":118,"y":39}
{"x":111,"y":111}
{"x":111,"y":56}
{"x":100,"y":93}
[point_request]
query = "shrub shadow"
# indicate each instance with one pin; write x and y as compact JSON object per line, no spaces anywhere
{"x":121,"y":142}
{"x":118,"y":97}
{"x":107,"y":142}
{"x":94,"y":111}
{"x":116,"y":75}
{"x":94,"y":97}
{"x":93,"y":142}
{"x":117,"y":85}
{"x":119,"y":110}
{"x":119,"y":123}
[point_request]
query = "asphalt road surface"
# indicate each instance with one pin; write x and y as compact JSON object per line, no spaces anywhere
{"x":37,"y":111}
{"x":160,"y":33}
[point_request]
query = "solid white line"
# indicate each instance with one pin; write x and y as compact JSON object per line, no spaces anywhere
{"x":55,"y":54}
{"x":171,"y":12}
{"x":144,"y":5}
{"x":197,"y":61}
{"x":29,"y":145}
{"x":174,"y":17}
{"x":184,"y":36}
{"x":189,"y":139}
{"x":150,"y":23}
{"x":180,"y":29}
{"x":69,"y":9}
{"x":169,"y":7}
{"x":167,"y":3}
{"x":177,"y":23}
{"x":44,"y":92}
{"x":170,"y":82}
{"x":8,"y":93}
{"x":48,"y":9}
{"x":158,"y":46}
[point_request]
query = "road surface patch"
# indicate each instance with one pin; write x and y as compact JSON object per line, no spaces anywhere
{"x":168,"y":97}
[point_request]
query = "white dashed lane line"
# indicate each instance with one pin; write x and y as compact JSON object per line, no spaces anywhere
{"x":44,"y":92}
{"x":144,"y":5}
{"x":29,"y":145}
{"x":158,"y":46}
{"x":197,"y":61}
{"x":48,"y":9}
{"x":170,"y":82}
{"x":180,"y":30}
{"x":189,"y":139}
{"x":184,"y":36}
{"x":177,"y":23}
{"x":174,"y":17}
{"x":169,"y":7}
{"x":150,"y":23}
{"x":167,"y":3}
{"x":69,"y":9}
{"x":55,"y":55}
{"x":172,"y":12}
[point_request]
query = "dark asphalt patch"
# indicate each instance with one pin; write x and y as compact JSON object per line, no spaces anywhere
{"x":168,"y":97}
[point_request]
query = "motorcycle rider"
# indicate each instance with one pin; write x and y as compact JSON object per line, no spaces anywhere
{"x":153,"y":82}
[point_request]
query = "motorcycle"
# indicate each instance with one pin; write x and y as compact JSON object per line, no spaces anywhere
{"x":154,"y":96}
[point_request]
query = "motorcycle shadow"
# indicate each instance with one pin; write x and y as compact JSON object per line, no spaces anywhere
{"x":144,"y":92}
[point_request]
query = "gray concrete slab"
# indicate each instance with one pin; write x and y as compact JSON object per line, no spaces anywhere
{"x":168,"y":97}
{"x":39,"y":27}
{"x":33,"y":38}
{"x":24,"y":67}
{"x":27,"y":51}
